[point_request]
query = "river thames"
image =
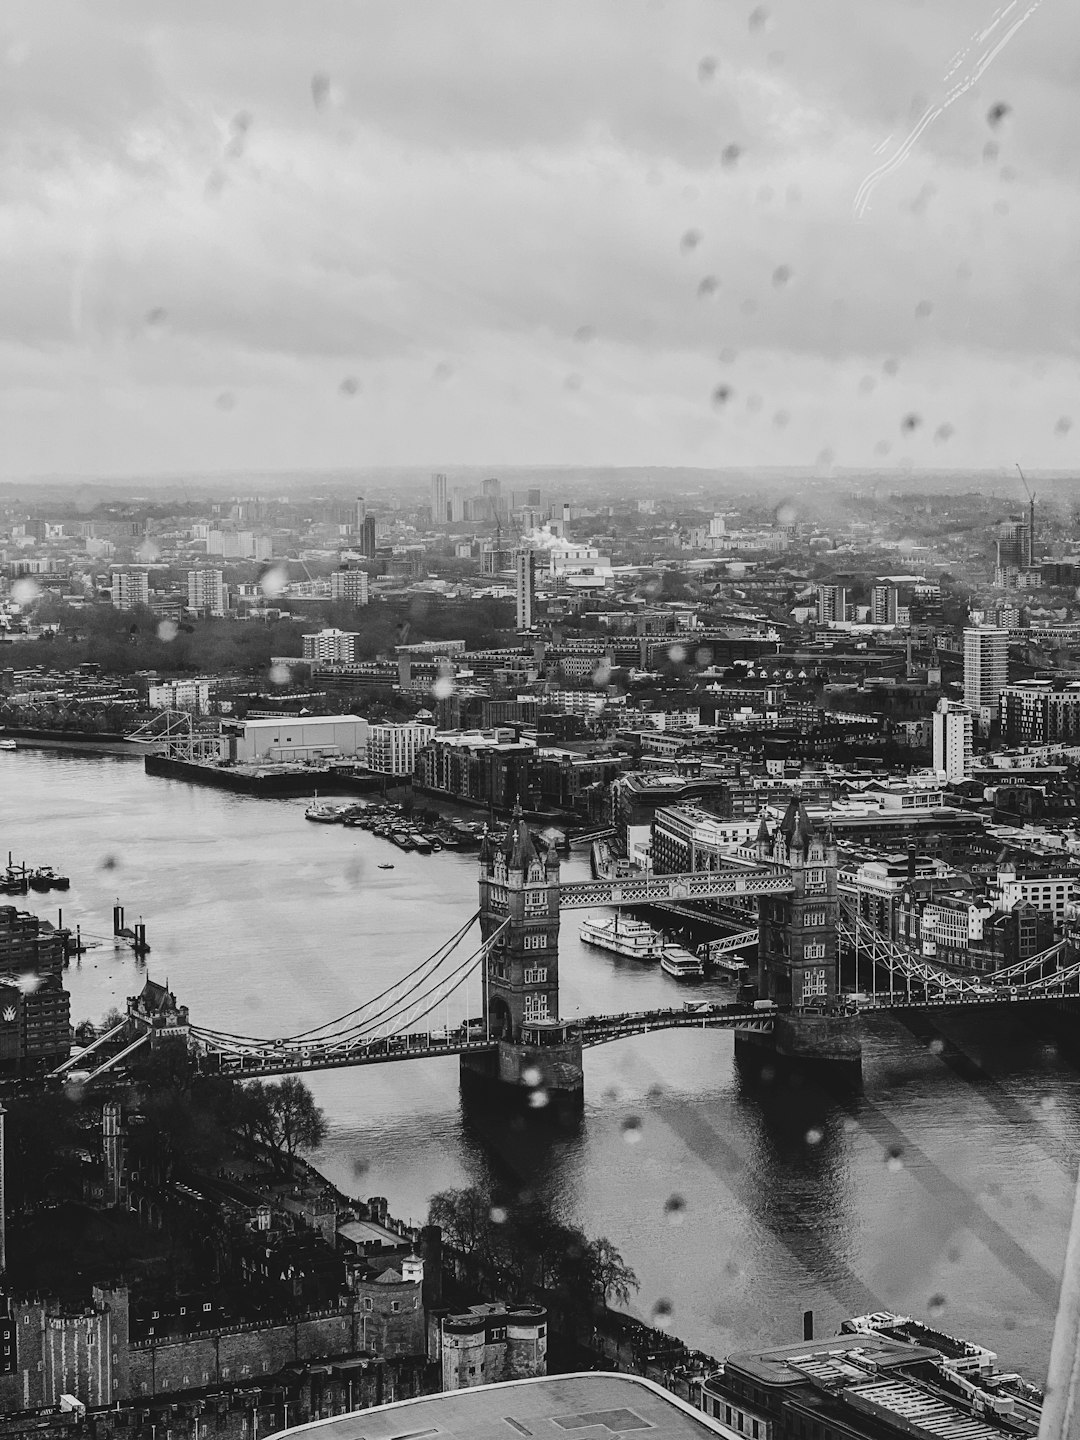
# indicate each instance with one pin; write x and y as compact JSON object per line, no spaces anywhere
{"x":944,"y":1191}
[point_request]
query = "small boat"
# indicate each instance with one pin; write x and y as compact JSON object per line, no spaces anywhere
{"x":8,"y":745}
{"x":45,"y":878}
{"x":387,"y":865}
{"x":323,"y":812}
{"x":681,"y":964}
{"x":625,"y":937}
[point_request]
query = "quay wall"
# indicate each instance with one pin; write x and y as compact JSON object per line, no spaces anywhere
{"x":325,"y":782}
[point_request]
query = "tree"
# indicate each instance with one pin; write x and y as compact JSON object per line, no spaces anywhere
{"x":284,"y":1117}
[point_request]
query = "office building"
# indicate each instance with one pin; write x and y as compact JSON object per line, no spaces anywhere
{"x":439,"y":512}
{"x":831,"y":604}
{"x":179,"y":695}
{"x":368,"y":538}
{"x":985,"y":667}
{"x":206,"y":592}
{"x":350,"y":586}
{"x":392,"y":749}
{"x":953,"y":731}
{"x":361,"y":514}
{"x":1039,"y":712}
{"x":130,"y":588}
{"x":525,"y":587}
{"x":331,"y":644}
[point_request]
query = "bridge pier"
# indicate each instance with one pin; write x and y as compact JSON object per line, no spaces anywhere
{"x":541,"y":1073}
{"x":817,"y":1048}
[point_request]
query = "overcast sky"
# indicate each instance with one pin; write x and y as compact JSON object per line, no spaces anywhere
{"x":263,"y":235}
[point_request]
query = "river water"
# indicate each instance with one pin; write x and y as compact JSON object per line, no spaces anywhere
{"x":944,"y":1191}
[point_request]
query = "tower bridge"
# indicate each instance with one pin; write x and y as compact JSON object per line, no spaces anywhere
{"x":508,"y":984}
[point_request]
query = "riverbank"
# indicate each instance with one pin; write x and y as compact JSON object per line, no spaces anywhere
{"x":87,"y":742}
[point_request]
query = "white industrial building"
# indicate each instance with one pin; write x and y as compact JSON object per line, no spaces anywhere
{"x":390,"y":749}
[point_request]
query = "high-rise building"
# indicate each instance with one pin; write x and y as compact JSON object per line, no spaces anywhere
{"x":953,"y":731}
{"x":369,"y":538}
{"x":361,"y":514}
{"x":1013,"y":545}
{"x":335,"y":645}
{"x":206,"y":591}
{"x":130,"y":588}
{"x":525,"y":586}
{"x":350,"y":586}
{"x":831,"y":604}
{"x":439,"y":513}
{"x":986,"y":667}
{"x":492,"y":492}
{"x":1040,"y":712}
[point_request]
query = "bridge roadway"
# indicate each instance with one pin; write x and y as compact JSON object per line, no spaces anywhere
{"x":283,"y":1059}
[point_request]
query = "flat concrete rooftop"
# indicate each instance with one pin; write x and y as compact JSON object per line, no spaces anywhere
{"x":557,"y":1407}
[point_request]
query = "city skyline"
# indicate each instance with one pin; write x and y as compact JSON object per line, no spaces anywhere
{"x":384,"y":236}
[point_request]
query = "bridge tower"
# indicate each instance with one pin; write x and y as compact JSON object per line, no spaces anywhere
{"x":519,"y":915}
{"x":798,"y":949}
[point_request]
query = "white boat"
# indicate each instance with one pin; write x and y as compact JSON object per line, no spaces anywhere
{"x":737,"y":969}
{"x":625,"y":937}
{"x":8,"y":745}
{"x":680,"y":963}
{"x":324,"y":812}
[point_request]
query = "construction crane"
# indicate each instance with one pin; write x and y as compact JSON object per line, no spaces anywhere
{"x":1031,"y":520}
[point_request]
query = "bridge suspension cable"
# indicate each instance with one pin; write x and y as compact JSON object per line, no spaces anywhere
{"x":330,"y":1028}
{"x":402,"y":1011}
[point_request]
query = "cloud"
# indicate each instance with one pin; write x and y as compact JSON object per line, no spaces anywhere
{"x":438,"y":199}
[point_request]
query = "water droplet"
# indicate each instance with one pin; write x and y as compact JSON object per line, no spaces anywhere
{"x":538,"y":1099}
{"x":280,"y":674}
{"x":781,"y":419}
{"x":706,"y":68}
{"x":867,"y":384}
{"x":882,"y":447}
{"x":781,"y":275}
{"x":443,"y":371}
{"x":936,"y":1047}
{"x":703,"y":655}
{"x":1047,"y":1102}
{"x":727,"y":355}
{"x":350,"y":385}
{"x":25,"y":591}
{"x":910,"y":422}
{"x":677,"y":654}
{"x":923,"y":309}
{"x":935,"y":1306}
{"x":273,"y":580}
{"x":584,"y":333}
{"x":997,"y":112}
{"x":675,"y":1209}
{"x":360,"y":1167}
{"x":749,"y":307}
{"x":109,"y":862}
{"x":759,"y":19}
{"x":443,"y":687}
{"x":814,"y":1136}
{"x":891,"y":366}
{"x":708,"y":286}
{"x":826,"y":456}
{"x":729,"y":155}
{"x":785,"y":513}
{"x":662,"y":1316}
{"x":767,"y":1074}
{"x":28,"y":982}
{"x":690,"y":241}
{"x":631,"y":1129}
{"x":572,"y":382}
{"x":601,"y":676}
{"x":498,"y":1215}
{"x":320,"y":90}
{"x":944,"y":432}
{"x":894,"y":1158}
{"x":167,"y":630}
{"x":156,"y":317}
{"x":721,"y":395}
{"x":1063,"y":426}
{"x":226,"y":401}
{"x":531,"y":1075}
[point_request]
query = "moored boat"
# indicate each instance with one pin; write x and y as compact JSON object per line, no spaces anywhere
{"x":681,"y":964}
{"x":624,"y":937}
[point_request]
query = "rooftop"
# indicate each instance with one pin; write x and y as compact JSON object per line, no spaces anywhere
{"x":560,"y":1407}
